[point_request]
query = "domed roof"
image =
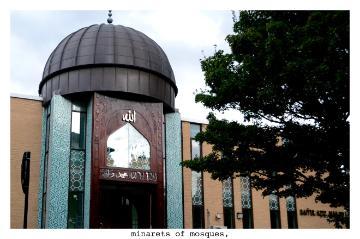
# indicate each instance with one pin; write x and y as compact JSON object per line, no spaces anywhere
{"x":108,"y":44}
{"x":103,"y":48}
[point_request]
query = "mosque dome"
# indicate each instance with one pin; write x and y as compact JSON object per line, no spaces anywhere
{"x":109,"y":58}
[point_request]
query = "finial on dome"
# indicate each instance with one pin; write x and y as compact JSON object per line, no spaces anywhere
{"x":109,"y":20}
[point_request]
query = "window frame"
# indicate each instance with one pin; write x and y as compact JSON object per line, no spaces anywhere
{"x":275,"y":216}
{"x":248,"y":214}
{"x":201,"y":210}
{"x":82,"y":109}
{"x":45,"y":169}
{"x":292,"y":218}
{"x":229,"y":210}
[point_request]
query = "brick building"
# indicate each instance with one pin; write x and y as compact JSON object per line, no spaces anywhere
{"x":106,"y":144}
{"x":26,"y":115}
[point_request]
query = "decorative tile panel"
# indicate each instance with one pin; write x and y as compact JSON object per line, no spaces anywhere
{"x":196,"y":188}
{"x":290,"y":204}
{"x":245,"y":192}
{"x":227,"y":193}
{"x":173,"y":171}
{"x":59,"y":154}
{"x":273,"y":202}
{"x":77,"y":164}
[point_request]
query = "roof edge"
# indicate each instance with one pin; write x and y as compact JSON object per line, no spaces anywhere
{"x":28,"y":97}
{"x":88,"y":66}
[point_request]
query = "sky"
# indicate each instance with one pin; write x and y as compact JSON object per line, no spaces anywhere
{"x":186,"y":37}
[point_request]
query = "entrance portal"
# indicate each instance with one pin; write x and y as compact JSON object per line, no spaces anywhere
{"x":125,"y":206}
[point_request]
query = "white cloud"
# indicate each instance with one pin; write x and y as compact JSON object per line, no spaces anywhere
{"x":26,"y":67}
{"x":191,"y":28}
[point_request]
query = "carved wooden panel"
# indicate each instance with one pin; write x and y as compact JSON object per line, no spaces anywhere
{"x":110,"y":115}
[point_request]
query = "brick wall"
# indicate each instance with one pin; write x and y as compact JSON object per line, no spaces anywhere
{"x":313,"y":221}
{"x":25,"y":135}
{"x":213,"y":198}
{"x":260,"y":210}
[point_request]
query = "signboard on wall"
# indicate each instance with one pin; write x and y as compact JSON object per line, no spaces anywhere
{"x":320,"y":213}
{"x":128,"y":175}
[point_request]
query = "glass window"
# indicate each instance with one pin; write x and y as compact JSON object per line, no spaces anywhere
{"x":75,"y":210}
{"x":47,"y":133}
{"x":48,"y":109}
{"x":248,"y":221}
{"x":274,"y":211}
{"x":198,"y":216}
{"x":77,"y":167}
{"x":292,"y":220}
{"x":196,"y":180}
{"x":194,"y":130}
{"x":79,"y":106}
{"x":275,"y":219}
{"x":45,"y":170}
{"x":195,"y":149}
{"x":43,"y":215}
{"x":128,"y":148}
{"x":229,"y":217}
{"x":78,"y":128}
{"x":291,"y":212}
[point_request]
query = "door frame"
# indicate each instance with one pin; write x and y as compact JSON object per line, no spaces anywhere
{"x":107,"y":117}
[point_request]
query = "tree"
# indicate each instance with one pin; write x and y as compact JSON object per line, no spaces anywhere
{"x":288,"y":74}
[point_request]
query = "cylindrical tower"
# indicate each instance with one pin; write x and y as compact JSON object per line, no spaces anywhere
{"x":108,"y":95}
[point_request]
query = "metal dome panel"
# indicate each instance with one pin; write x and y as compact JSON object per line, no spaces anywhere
{"x":80,"y":55}
{"x":108,"y":44}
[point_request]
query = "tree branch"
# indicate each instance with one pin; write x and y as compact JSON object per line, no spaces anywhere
{"x":271,"y":120}
{"x":301,"y":175}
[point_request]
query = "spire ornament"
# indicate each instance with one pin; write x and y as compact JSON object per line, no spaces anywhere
{"x":109,"y":20}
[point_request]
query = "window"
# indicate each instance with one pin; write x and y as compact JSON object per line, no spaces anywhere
{"x":128,"y":148}
{"x":194,"y":130}
{"x":78,"y":128}
{"x":45,"y":170}
{"x":274,"y":211}
{"x":197,"y":181}
{"x":77,"y":167}
{"x":76,"y":202}
{"x":228,"y":204}
{"x":197,"y":200}
{"x":291,"y":212}
{"x":246,"y":202}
